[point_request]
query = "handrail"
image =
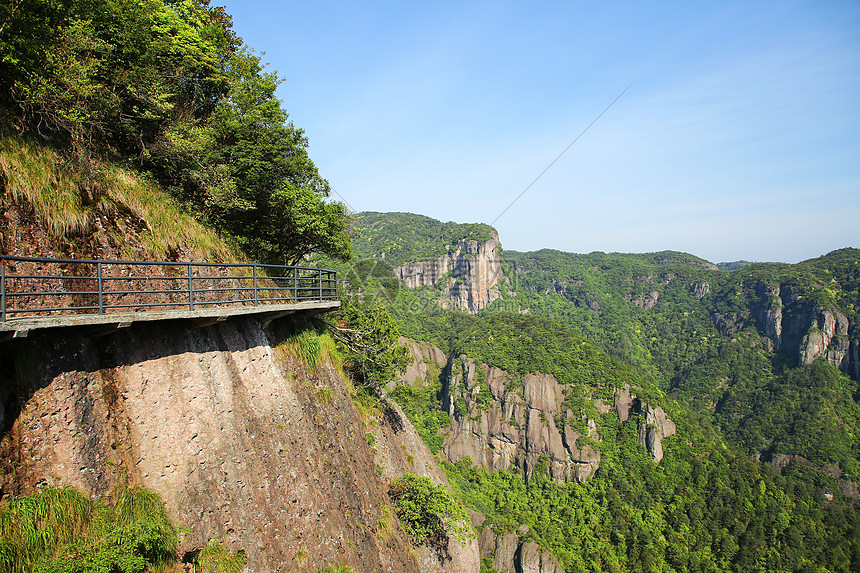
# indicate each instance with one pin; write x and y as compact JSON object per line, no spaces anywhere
{"x":35,"y":286}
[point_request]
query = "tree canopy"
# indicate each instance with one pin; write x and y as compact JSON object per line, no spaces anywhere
{"x":168,"y":88}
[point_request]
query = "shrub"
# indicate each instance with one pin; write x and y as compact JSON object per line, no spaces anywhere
{"x":59,"y":530}
{"x":427,"y":511}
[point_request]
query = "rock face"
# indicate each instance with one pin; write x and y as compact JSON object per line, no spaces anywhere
{"x":502,"y":422}
{"x":533,"y":559}
{"x":471,"y":273}
{"x":653,"y":427}
{"x":513,"y":423}
{"x":240,"y":440}
{"x":511,"y":555}
{"x":646,"y":301}
{"x":426,"y":360}
{"x":791,"y":324}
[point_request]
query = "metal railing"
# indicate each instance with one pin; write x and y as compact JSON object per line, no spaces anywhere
{"x":36,"y":286}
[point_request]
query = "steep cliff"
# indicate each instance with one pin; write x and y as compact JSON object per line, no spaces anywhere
{"x":244,"y":442}
{"x":509,"y":553}
{"x":501,"y":421}
{"x":469,"y":274}
{"x":797,"y":326}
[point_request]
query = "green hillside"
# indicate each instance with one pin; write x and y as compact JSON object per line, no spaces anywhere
{"x":403,"y":237}
{"x":168,"y":91}
{"x":759,"y":476}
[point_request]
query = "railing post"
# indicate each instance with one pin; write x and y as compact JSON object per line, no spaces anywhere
{"x":319,"y":272}
{"x":255,"y":284}
{"x":3,"y":289}
{"x":101,"y":289}
{"x":190,"y":290}
{"x":295,"y":284}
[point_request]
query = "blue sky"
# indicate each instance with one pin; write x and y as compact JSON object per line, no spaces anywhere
{"x":739,"y":138}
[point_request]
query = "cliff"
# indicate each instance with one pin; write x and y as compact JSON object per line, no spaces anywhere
{"x":468,"y":274}
{"x":244,"y":442}
{"x":501,"y":421}
{"x":797,"y":326}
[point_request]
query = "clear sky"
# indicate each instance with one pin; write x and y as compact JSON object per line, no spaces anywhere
{"x":739,"y":138}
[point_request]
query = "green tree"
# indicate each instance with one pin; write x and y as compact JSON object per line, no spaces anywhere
{"x":427,"y":511}
{"x":370,"y":335}
{"x":167,"y":87}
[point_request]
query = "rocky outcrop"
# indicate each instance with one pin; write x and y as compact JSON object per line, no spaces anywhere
{"x":654,"y":425}
{"x":501,"y":422}
{"x":646,"y":301}
{"x":470,"y":273}
{"x":510,"y":554}
{"x":426,"y":360}
{"x":533,"y":559}
{"x":791,"y":324}
{"x":700,"y":289}
{"x":502,"y":548}
{"x":516,"y":423}
{"x":243,"y":443}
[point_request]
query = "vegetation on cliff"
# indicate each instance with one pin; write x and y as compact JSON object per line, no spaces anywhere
{"x":725,"y":346}
{"x":93,"y":210}
{"x":707,"y":506}
{"x":426,"y":511}
{"x":167,"y":89}
{"x":135,"y":123}
{"x":61,"y":530}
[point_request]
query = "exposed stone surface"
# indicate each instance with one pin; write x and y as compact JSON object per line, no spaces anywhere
{"x":700,"y":289}
{"x":654,"y":425}
{"x":646,"y":301}
{"x":232,"y":433}
{"x":501,"y":548}
{"x":475,"y":272}
{"x":517,"y":427}
{"x":511,"y":555}
{"x":533,"y":559}
{"x":624,"y":403}
{"x":426,"y":358}
{"x":399,"y":449}
{"x":788,"y":322}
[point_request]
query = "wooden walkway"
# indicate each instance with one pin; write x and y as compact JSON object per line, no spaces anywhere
{"x":103,"y":296}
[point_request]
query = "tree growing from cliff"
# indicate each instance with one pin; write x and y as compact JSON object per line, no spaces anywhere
{"x":369,"y":335}
{"x":427,"y":511}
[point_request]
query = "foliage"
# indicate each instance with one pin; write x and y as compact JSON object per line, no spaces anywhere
{"x":704,"y":508}
{"x":215,"y":558}
{"x":809,"y":411}
{"x":671,"y":322}
{"x":427,"y":511}
{"x":94,"y":199}
{"x":168,"y":88}
{"x":401,"y":237}
{"x":421,"y":406}
{"x":60,"y":530}
{"x":369,"y":336}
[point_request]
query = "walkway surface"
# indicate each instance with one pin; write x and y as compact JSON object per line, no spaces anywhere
{"x":38,"y":293}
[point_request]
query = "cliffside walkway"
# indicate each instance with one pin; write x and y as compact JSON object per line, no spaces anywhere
{"x":37,"y":293}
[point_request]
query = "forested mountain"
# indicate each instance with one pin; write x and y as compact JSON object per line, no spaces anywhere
{"x":756,"y":366}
